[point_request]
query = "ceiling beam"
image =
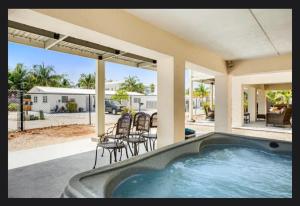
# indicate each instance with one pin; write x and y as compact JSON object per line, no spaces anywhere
{"x":30,"y":29}
{"x":144,"y":59}
{"x":56,"y":39}
{"x":52,"y":42}
{"x":145,"y":64}
{"x":91,"y":45}
{"x":111,"y":56}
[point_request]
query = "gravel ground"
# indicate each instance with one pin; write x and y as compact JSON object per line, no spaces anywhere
{"x":52,"y":135}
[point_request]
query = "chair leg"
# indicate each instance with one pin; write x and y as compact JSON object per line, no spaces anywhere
{"x":146,"y":145}
{"x":115,"y":154}
{"x":121,"y":154}
{"x":154,"y":144}
{"x":130,"y":149}
{"x":110,"y":153}
{"x":135,"y":149}
{"x":150,"y":143}
{"x":102,"y":151}
{"x":95,"y":158}
{"x":126,"y":152}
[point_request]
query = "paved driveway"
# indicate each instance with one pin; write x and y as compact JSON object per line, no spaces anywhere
{"x":56,"y":119}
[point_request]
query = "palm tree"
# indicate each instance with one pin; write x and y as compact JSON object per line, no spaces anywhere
{"x":45,"y":75}
{"x":87,"y":81}
{"x":152,"y":87}
{"x":132,"y":84}
{"x":65,"y":83}
{"x":279,"y":96}
{"x":17,"y":77}
{"x":201,"y":92}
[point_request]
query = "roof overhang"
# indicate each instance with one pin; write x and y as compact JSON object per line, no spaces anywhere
{"x":33,"y":36}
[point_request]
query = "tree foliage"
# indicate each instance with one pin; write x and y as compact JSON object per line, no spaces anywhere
{"x":201,"y":92}
{"x":120,"y":95}
{"x":133,"y":84}
{"x":152,"y":87}
{"x":87,"y":81}
{"x":45,"y":75}
{"x":279,"y":96}
{"x":40,"y":75}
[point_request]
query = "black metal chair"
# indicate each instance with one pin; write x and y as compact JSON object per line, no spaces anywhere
{"x":134,"y":123}
{"x":122,"y":129}
{"x":136,"y":138}
{"x":152,"y":137}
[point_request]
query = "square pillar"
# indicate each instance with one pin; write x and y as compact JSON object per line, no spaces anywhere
{"x":100,"y":97}
{"x":191,"y":97}
{"x":252,"y":103}
{"x":223,"y":103}
{"x":171,"y":101}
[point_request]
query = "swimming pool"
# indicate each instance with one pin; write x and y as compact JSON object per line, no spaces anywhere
{"x":212,"y":165}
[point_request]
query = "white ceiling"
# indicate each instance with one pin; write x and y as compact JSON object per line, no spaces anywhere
{"x":232,"y":33}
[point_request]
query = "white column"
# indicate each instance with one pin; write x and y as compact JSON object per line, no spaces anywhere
{"x":191,"y":97}
{"x":223,"y":103}
{"x":171,"y":102}
{"x":100,"y":96}
{"x":237,"y":95}
{"x":261,"y":100}
{"x":252,"y":103}
{"x":211,"y":95}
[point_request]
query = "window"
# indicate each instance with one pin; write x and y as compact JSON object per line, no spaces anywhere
{"x":35,"y":99}
{"x":137,"y":100}
{"x":44,"y":99}
{"x":151,"y":104}
{"x":64,"y":99}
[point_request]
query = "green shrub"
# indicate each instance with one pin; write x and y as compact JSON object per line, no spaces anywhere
{"x":71,"y":106}
{"x":13,"y":107}
{"x":42,"y":117}
{"x":128,"y":110}
{"x":33,"y":117}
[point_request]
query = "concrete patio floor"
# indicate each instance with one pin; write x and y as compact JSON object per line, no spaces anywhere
{"x":48,"y":179}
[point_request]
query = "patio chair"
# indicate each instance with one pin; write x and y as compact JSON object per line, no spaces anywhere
{"x":136,"y":138}
{"x":134,"y":123}
{"x":279,"y":118}
{"x":210,"y":114}
{"x":152,"y":137}
{"x":122,"y":129}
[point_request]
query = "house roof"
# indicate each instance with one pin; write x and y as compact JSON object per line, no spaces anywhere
{"x":60,"y":90}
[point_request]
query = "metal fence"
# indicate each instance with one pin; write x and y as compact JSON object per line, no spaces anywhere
{"x":38,"y":110}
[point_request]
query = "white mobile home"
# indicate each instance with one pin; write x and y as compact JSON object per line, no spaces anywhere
{"x":53,"y":99}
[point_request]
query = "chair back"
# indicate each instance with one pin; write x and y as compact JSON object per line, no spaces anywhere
{"x":206,"y":111}
{"x":153,"y":120}
{"x":135,"y":117}
{"x":123,"y":126}
{"x":143,"y":123}
{"x":287,"y":114}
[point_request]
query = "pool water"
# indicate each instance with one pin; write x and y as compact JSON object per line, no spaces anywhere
{"x":215,"y":172}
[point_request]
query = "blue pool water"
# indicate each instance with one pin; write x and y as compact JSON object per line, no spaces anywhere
{"x":215,"y":172}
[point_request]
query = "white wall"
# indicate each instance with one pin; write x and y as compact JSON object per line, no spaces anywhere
{"x":56,"y":99}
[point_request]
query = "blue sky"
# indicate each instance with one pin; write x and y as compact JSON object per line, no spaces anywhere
{"x":72,"y":65}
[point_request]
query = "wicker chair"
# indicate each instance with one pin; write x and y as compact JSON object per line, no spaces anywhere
{"x":142,"y":126}
{"x":122,"y":129}
{"x":280,"y":118}
{"x":152,"y":137}
{"x":210,"y":114}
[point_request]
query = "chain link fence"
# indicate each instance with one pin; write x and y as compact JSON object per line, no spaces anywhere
{"x":38,"y":110}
